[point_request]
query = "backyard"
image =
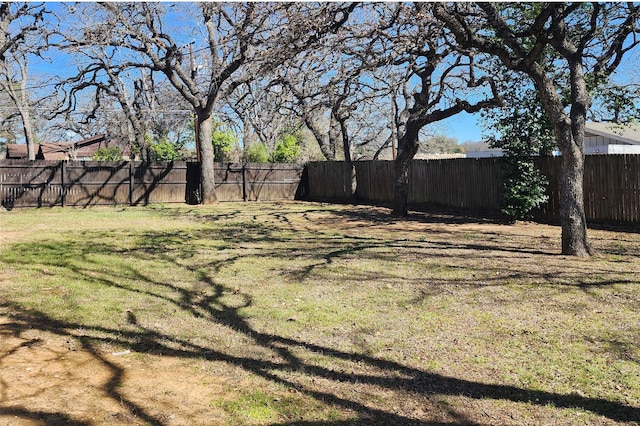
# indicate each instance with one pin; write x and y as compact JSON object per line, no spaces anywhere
{"x":311,"y":314}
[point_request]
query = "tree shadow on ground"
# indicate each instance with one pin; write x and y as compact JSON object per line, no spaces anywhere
{"x":439,"y":216}
{"x":284,"y":352}
{"x":396,"y":376}
{"x":425,"y":215}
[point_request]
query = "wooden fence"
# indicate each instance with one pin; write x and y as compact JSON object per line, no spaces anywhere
{"x":53,"y":183}
{"x":257,"y":182}
{"x":611,"y":185}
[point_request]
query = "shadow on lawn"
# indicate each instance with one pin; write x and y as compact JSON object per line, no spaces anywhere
{"x":415,"y":381}
{"x":440,"y":216}
{"x":211,"y":307}
{"x":433,"y":215}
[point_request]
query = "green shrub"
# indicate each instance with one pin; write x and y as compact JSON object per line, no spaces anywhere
{"x":524,"y":187}
{"x":224,"y":139}
{"x":523,"y":131}
{"x":287,"y":150}
{"x":165,"y":150}
{"x":107,"y":153}
{"x":257,"y":153}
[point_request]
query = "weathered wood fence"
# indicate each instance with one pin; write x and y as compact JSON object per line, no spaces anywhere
{"x":611,"y":185}
{"x":55,"y":183}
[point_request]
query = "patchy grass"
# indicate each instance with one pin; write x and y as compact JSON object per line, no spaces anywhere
{"x":292,"y":313}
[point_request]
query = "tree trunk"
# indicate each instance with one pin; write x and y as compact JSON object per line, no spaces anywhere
{"x":351,"y":182}
{"x":28,"y":133}
{"x":323,"y":139}
{"x":207,"y":174}
{"x":572,"y":216}
{"x":407,"y":149}
{"x":139,"y":133}
{"x":574,"y":222}
{"x":20,"y":99}
{"x":394,"y":130}
{"x":569,"y":133}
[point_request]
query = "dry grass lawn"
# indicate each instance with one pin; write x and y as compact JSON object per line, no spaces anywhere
{"x":311,"y":314}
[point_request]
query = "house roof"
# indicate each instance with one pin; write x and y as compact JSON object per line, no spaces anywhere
{"x":91,"y":141}
{"x":624,"y":133}
{"x":59,"y":151}
{"x":16,"y":151}
{"x":54,"y":151}
{"x":62,"y":151}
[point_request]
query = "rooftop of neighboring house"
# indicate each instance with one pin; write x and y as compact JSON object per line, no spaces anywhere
{"x":53,"y":151}
{"x":629,"y":134}
{"x":83,"y":149}
{"x":16,"y":151}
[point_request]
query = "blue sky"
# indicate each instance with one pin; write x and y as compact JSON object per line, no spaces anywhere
{"x":464,"y":127}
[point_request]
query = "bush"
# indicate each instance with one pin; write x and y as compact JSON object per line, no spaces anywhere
{"x":107,"y":153}
{"x":165,"y":150}
{"x":257,"y":153}
{"x":223,"y":139}
{"x":287,"y":150}
{"x":524,"y":188}
{"x":524,"y":131}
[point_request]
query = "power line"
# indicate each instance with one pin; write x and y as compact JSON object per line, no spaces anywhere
{"x":83,"y":110}
{"x":39,"y":86}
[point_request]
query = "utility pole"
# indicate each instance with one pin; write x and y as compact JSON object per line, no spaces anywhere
{"x":394,"y":131}
{"x":194,"y":73}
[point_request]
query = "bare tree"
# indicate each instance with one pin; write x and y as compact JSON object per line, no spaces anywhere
{"x":394,"y":55}
{"x":239,"y":39}
{"x":438,"y":78}
{"x":305,"y":79}
{"x":394,"y":86}
{"x":18,"y":22}
{"x":106,"y":79}
{"x":11,"y":36}
{"x":334,"y":91}
{"x":15,"y":86}
{"x":264,"y":109}
{"x":145,"y":104}
{"x":590,"y":39}
{"x":326,"y":107}
{"x":333,"y":85}
{"x":397,"y":56}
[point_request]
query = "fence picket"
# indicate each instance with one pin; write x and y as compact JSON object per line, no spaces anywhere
{"x":51,"y":183}
{"x":611,"y":185}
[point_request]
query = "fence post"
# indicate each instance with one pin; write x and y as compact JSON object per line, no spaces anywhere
{"x":63,"y":189}
{"x":131,"y":176}
{"x":244,"y":182}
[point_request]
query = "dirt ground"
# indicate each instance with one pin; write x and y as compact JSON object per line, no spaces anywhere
{"x":49,"y":371}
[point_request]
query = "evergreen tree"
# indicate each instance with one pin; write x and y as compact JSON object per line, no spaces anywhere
{"x":523,"y":131}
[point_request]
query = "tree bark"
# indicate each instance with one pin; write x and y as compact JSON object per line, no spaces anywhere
{"x":407,"y":149}
{"x":17,"y":92}
{"x":325,"y":139}
{"x":207,"y":175}
{"x":569,"y":133}
{"x":28,"y":133}
{"x":573,"y":220}
{"x":351,"y":182}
